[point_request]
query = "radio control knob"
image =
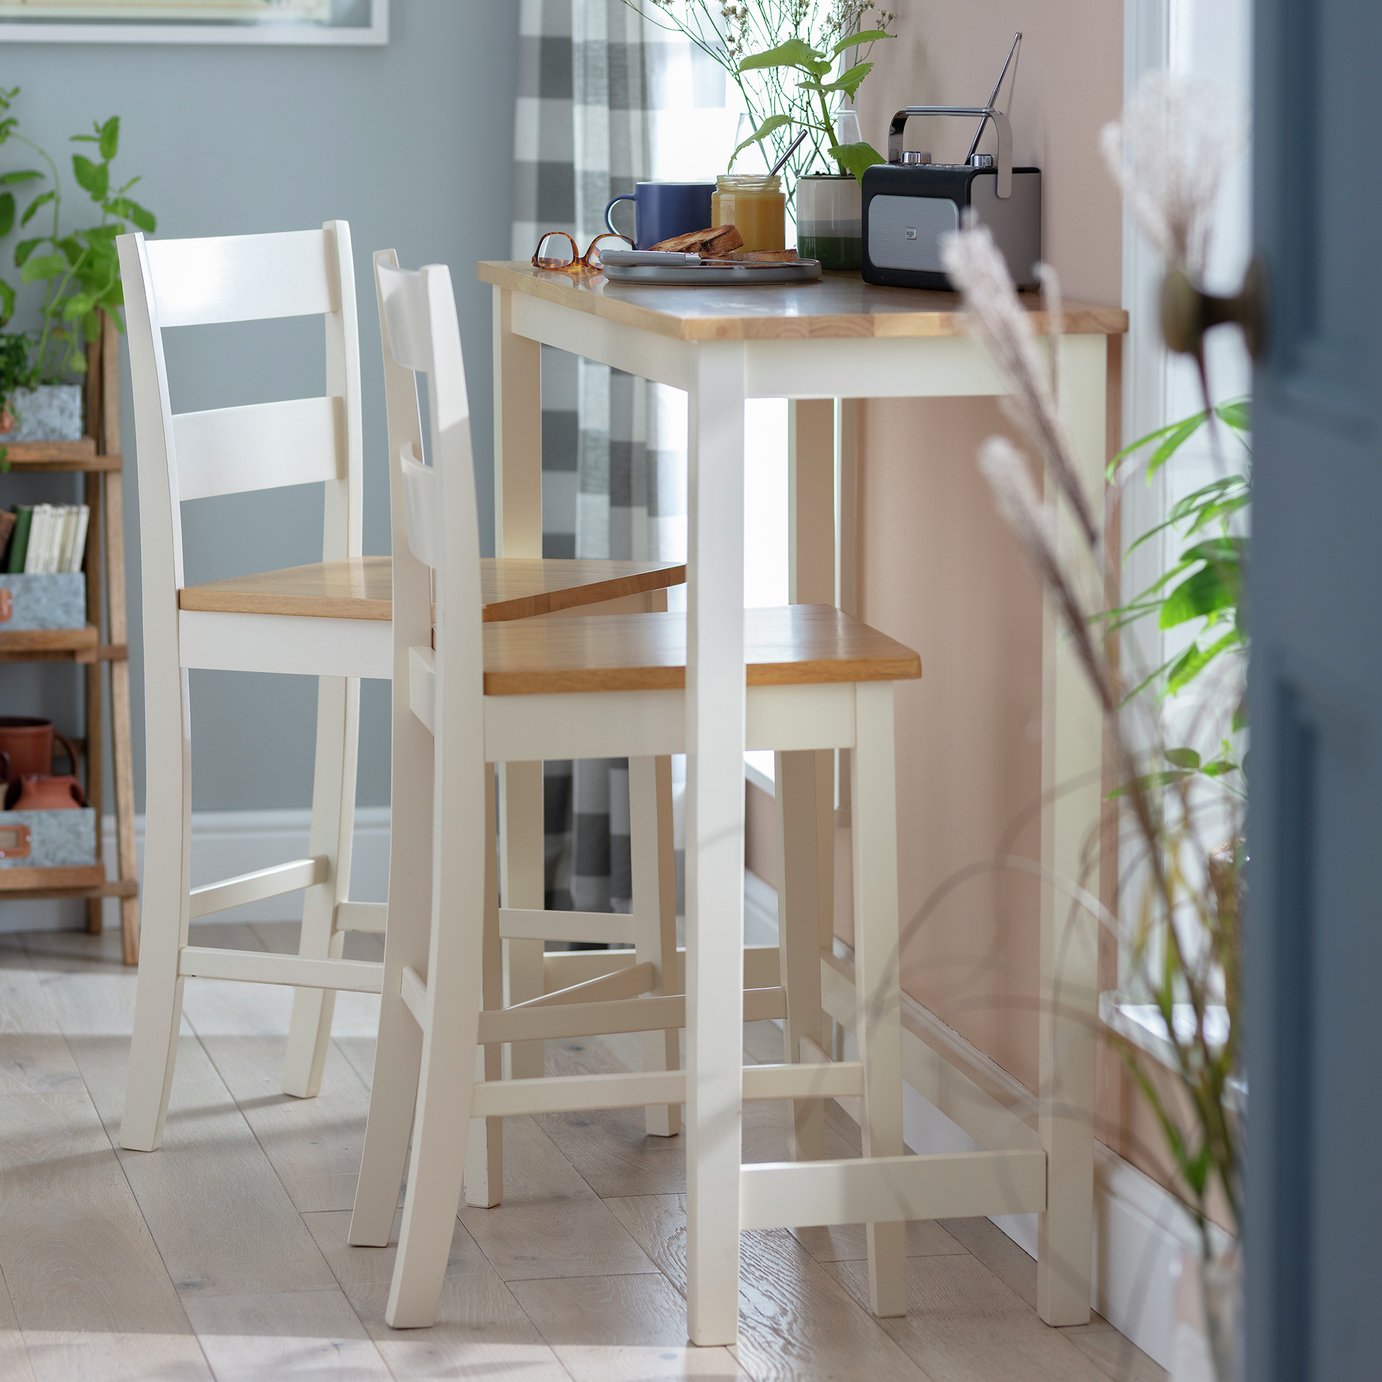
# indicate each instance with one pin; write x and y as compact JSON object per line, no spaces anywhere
{"x":911,"y":157}
{"x":981,"y":160}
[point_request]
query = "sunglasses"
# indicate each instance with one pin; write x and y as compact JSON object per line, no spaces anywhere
{"x":559,"y":252}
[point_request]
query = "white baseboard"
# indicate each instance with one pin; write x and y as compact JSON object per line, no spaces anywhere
{"x":1140,"y":1228}
{"x":226,"y":843}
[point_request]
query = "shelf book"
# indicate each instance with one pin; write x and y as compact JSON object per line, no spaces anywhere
{"x":40,"y":539}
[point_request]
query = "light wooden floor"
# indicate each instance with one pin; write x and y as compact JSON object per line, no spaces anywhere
{"x":224,"y":1255}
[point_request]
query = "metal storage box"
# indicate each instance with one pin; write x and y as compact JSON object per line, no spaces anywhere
{"x":55,"y":600}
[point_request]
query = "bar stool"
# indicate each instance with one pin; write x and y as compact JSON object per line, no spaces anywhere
{"x":469,"y":696}
{"x":330,"y":620}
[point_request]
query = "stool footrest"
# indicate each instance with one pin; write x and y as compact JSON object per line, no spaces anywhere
{"x":953,"y":1185}
{"x":591,"y":928}
{"x":652,"y":1014}
{"x":255,"y":887}
{"x":265,"y":967}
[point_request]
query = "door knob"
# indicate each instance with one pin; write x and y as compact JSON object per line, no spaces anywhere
{"x":1188,"y":313}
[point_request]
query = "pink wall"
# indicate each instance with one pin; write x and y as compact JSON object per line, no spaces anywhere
{"x":937,"y":567}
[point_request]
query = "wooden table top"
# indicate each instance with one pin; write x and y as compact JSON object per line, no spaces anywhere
{"x":840,"y":306}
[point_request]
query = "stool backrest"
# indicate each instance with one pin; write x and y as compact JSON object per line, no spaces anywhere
{"x":436,"y":534}
{"x":182,"y":456}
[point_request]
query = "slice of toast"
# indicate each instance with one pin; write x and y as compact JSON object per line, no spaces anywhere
{"x":762,"y":256}
{"x":710,"y":243}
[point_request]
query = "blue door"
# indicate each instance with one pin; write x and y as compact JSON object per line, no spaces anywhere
{"x":1313,"y":931}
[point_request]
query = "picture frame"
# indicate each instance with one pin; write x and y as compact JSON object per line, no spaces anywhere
{"x":195,"y":21}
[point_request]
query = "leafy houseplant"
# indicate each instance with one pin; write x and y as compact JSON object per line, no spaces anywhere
{"x":1205,"y":581}
{"x":77,"y":271}
{"x":16,"y":373}
{"x":781,"y":54}
{"x":829,"y":206}
{"x":811,"y":68}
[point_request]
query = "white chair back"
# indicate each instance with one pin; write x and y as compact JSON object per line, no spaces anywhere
{"x":436,"y":536}
{"x":198,"y":455}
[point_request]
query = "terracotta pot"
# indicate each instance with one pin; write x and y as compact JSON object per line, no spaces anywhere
{"x":26,"y":747}
{"x":43,"y":792}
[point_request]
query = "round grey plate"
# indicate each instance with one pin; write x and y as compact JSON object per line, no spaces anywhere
{"x":806,"y":271}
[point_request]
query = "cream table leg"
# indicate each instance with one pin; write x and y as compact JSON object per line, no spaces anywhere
{"x":715,"y":840}
{"x":518,"y":533}
{"x":1071,"y":783}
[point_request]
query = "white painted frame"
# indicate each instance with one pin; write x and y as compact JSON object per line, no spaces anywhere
{"x":374,"y":32}
{"x":719,"y":377}
{"x":1157,"y":35}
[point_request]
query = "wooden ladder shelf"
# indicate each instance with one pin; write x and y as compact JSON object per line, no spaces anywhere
{"x":101,"y":647}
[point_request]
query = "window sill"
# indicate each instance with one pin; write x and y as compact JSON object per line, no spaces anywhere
{"x":1141,"y":1025}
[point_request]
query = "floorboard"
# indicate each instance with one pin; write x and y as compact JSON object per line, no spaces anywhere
{"x":1115,"y":1353}
{"x":795,"y":1321}
{"x":224,"y":1255}
{"x":285,"y":1334}
{"x":219,"y":1213}
{"x":14,"y":1357}
{"x":314,"y":1145}
{"x":612,"y":1328}
{"x":551,"y":1223}
{"x":964,"y":1325}
{"x":86,"y":1283}
{"x":481,"y":1331}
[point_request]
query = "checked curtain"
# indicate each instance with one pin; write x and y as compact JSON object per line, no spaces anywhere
{"x":604,"y":100}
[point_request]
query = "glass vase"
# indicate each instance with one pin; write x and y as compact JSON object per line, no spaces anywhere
{"x":1209,"y":1319}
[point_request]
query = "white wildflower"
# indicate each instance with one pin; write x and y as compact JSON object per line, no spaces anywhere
{"x":1170,"y":152}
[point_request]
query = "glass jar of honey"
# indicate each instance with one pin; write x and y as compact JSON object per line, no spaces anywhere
{"x":756,"y":204}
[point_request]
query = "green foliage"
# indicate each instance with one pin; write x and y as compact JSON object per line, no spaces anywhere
{"x":811,"y":67}
{"x":76,"y":271}
{"x":1203,"y":583}
{"x":781,"y":58}
{"x":16,"y":372}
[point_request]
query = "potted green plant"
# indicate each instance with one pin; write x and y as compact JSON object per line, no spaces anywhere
{"x":783,"y":58}
{"x":75,"y":271}
{"x":829,"y":206}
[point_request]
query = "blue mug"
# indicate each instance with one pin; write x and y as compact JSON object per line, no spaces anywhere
{"x":664,"y":209}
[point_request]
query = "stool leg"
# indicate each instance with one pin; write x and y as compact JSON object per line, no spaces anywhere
{"x":655,"y":911}
{"x":522,"y":883}
{"x":398,"y":1055}
{"x":484,"y":1161}
{"x":167,"y":852}
{"x":798,"y":934}
{"x":878,"y":1024}
{"x":333,"y":827}
{"x":455,"y":965}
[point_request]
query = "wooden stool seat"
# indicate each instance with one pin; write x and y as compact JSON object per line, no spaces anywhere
{"x":796,"y":645}
{"x":362,"y":587}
